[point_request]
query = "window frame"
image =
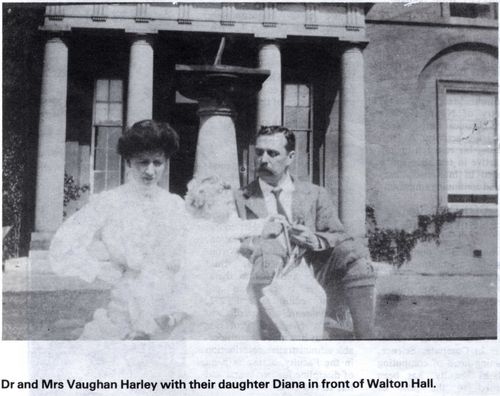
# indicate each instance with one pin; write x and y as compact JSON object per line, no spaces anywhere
{"x":95,"y":126}
{"x":491,"y":10}
{"x":310,"y":130}
{"x":443,"y":86}
{"x":479,"y":21}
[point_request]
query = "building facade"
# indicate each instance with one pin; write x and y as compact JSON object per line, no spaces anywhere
{"x":394,"y":106}
{"x":431,"y":127}
{"x":107,"y":66}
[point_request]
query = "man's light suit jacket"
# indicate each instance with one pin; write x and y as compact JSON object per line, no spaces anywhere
{"x":313,"y":207}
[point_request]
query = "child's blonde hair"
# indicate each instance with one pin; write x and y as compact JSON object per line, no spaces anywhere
{"x":202,"y":194}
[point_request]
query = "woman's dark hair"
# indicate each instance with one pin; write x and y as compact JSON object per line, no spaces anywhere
{"x":148,"y":135}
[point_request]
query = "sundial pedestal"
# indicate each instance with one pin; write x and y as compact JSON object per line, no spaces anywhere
{"x":216,"y":88}
{"x":216,"y":150}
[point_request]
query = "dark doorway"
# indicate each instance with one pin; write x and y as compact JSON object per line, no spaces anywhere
{"x":185,"y":121}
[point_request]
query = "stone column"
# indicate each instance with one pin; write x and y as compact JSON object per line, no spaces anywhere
{"x":51,"y":143}
{"x":216,"y":150}
{"x":140,"y":86}
{"x":269,"y":106}
{"x":140,"y":80}
{"x":352,"y":195}
{"x":269,"y":98}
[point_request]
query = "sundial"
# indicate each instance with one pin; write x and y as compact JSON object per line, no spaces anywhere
{"x":216,"y":87}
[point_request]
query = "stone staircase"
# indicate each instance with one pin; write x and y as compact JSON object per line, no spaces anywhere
{"x":33,"y":273}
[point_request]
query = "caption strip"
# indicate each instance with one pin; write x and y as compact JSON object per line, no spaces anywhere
{"x":242,"y":385}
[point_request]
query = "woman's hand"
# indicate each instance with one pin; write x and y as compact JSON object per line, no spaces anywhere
{"x":110,"y":272}
{"x":97,"y":249}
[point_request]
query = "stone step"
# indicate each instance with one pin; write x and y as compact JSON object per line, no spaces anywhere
{"x":37,"y":262}
{"x":19,"y":264}
{"x":38,"y":254}
{"x":31,"y":274}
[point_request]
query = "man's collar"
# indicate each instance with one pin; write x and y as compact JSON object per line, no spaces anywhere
{"x":285,"y":184}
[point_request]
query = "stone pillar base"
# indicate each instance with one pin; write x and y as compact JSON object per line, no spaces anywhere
{"x":216,"y":151}
{"x":40,"y":241}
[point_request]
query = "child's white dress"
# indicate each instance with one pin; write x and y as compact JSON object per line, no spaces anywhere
{"x":212,"y":285}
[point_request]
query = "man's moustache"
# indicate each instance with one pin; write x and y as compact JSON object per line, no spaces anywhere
{"x":265,"y":169}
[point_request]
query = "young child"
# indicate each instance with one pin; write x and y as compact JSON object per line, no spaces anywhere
{"x":211,"y":295}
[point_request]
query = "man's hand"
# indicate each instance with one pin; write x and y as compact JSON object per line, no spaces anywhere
{"x":304,"y":237}
{"x":274,"y":226}
{"x":164,"y":322}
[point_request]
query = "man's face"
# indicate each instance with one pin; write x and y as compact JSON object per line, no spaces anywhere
{"x":271,"y":158}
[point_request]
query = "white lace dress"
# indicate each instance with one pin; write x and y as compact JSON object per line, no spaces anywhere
{"x":212,"y":286}
{"x":133,"y":237}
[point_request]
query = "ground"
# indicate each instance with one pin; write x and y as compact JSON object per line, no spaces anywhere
{"x":57,"y":315}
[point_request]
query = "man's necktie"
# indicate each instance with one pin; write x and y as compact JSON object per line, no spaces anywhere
{"x":279,"y":207}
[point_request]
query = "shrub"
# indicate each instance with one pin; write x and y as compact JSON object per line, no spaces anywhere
{"x":72,"y":190}
{"x":395,"y":245}
{"x":12,"y":197}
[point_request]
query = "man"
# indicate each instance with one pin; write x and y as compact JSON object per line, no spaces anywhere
{"x":339,"y":262}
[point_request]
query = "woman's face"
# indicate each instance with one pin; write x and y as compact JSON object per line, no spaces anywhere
{"x":147,"y":168}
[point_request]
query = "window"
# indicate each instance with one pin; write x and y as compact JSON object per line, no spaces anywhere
{"x":108,"y":102}
{"x":471,"y":10}
{"x":468,"y":123}
{"x":297,"y":116}
{"x":108,"y":123}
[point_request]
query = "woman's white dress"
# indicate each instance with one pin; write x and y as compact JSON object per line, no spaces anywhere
{"x":212,"y":286}
{"x":133,"y":237}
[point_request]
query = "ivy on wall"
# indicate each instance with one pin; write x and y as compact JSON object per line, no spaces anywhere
{"x":395,"y":246}
{"x":12,"y":196}
{"x":22,"y":70}
{"x":72,"y":190}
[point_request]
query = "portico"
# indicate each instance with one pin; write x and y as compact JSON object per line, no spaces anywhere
{"x":135,"y":80}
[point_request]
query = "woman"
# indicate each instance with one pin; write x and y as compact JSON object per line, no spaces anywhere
{"x":211,"y":288}
{"x":131,"y":236}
